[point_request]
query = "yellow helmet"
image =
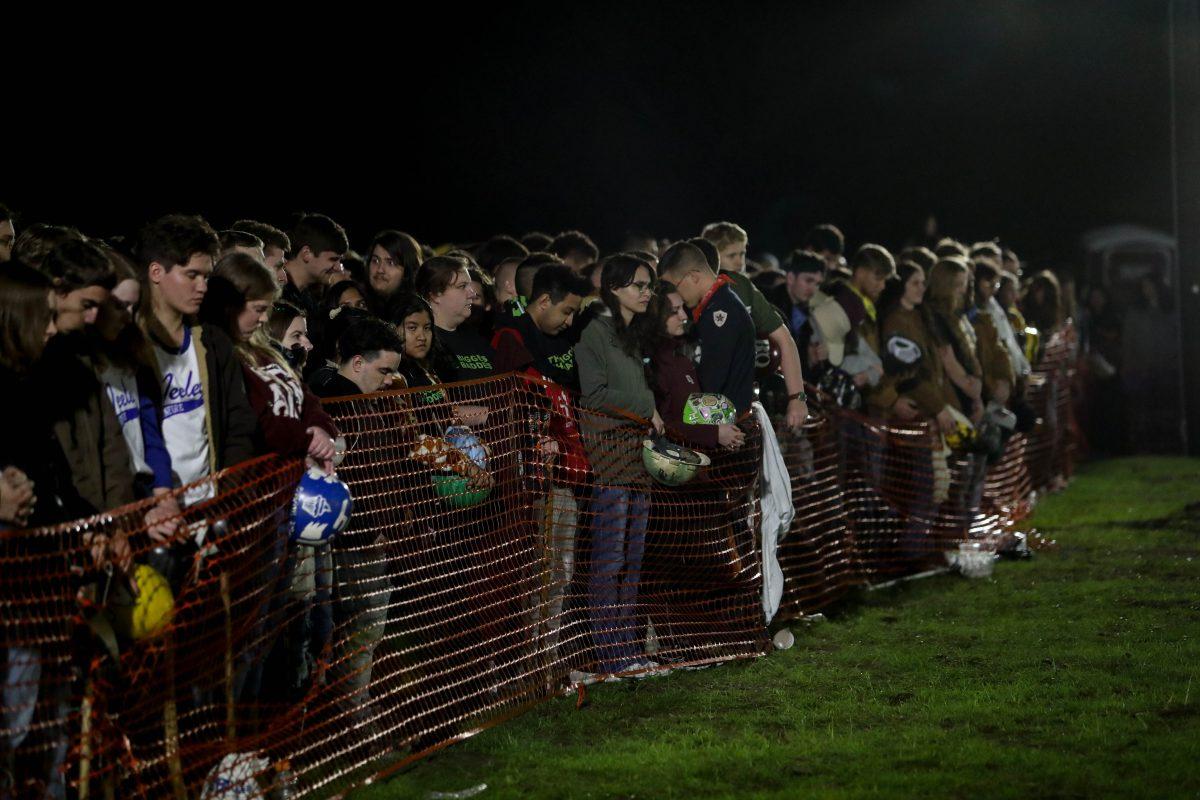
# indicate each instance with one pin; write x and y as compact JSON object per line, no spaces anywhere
{"x":147,"y":614}
{"x":964,"y":435}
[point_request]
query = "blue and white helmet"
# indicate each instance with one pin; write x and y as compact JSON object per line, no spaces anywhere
{"x":467,"y":441}
{"x":239,"y":776}
{"x":320,"y":509}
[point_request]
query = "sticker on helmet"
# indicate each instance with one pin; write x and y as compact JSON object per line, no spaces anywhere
{"x":906,"y":351}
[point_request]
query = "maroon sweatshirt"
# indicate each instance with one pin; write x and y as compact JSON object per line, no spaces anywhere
{"x":285,"y":408}
{"x":673,"y":379}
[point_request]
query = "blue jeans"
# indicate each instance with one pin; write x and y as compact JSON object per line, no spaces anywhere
{"x":619,"y":518}
{"x":23,"y":685}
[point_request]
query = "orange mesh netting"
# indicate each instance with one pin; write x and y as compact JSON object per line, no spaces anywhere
{"x":484,"y":569}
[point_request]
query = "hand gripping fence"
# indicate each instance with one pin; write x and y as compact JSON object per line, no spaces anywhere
{"x":477,"y":578}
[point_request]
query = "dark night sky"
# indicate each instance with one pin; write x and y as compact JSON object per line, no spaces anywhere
{"x":1031,"y":120}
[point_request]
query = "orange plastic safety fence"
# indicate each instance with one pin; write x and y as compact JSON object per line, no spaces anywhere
{"x":505,"y":545}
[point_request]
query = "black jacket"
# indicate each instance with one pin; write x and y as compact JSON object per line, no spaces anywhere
{"x":233,"y":424}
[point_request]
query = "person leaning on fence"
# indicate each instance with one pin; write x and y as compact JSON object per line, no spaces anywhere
{"x":992,"y":253}
{"x":538,"y":343}
{"x":847,"y":324}
{"x":291,"y":423}
{"x":945,"y":296}
{"x":445,"y":283}
{"x":124,"y":361}
{"x":910,"y":352}
{"x":613,"y":382}
{"x":999,"y":372}
{"x":369,"y":354}
{"x":208,"y":424}
{"x":916,"y":481}
{"x":948,"y":294}
{"x":287,"y":332}
{"x":730,"y":241}
{"x":429,"y":412}
{"x":673,"y":374}
{"x":85,"y":421}
{"x":723,"y":326}
{"x":39,"y":487}
{"x":803,"y":272}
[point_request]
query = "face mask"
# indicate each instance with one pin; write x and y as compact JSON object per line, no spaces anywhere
{"x":295,"y":356}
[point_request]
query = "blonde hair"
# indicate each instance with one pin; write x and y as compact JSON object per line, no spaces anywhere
{"x":723,"y":234}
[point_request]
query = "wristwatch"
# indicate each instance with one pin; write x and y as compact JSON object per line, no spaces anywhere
{"x":801,"y":396}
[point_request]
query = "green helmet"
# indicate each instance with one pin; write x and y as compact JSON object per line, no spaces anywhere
{"x":708,"y":409}
{"x":671,"y":464}
{"x":453,"y":489}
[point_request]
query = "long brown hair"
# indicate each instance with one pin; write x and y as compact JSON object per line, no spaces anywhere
{"x":130,"y":349}
{"x":24,"y":315}
{"x":238,"y":279}
{"x":941,"y":294}
{"x":618,"y":271}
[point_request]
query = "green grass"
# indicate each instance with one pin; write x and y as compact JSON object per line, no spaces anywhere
{"x":1075,"y":674}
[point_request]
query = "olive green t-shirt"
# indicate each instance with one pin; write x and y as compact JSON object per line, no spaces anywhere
{"x":762,"y":312}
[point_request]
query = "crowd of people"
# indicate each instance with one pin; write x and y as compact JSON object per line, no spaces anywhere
{"x":137,"y":366}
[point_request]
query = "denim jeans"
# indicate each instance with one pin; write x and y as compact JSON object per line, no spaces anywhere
{"x":619,"y":518}
{"x":22,"y":687}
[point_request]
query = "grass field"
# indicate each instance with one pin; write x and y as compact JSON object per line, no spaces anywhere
{"x":1075,"y":674}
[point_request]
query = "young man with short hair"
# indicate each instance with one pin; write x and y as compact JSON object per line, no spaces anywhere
{"x":505,"y":281}
{"x":83,"y":279}
{"x":575,"y":249}
{"x":369,"y":354}
{"x":207,"y":421}
{"x":538,"y":337}
{"x":997,"y":261}
{"x":804,"y":271}
{"x":318,"y":245}
{"x":522,"y":285}
{"x":851,"y":310}
{"x":276,"y":245}
{"x":723,"y":325}
{"x":235,"y":241}
{"x":498,"y":249}
{"x":827,"y":242}
{"x":731,"y":241}
{"x":767,"y":322}
{"x":539,"y":343}
{"x":86,"y":421}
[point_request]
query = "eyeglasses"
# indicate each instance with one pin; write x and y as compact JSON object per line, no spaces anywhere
{"x":641,"y":286}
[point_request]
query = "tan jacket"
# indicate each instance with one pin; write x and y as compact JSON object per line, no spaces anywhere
{"x":925,"y":384}
{"x":993,"y":355}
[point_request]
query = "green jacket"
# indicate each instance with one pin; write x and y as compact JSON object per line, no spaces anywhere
{"x":613,"y":383}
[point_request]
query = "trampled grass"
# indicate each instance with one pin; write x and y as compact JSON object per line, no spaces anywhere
{"x":1075,"y":674}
